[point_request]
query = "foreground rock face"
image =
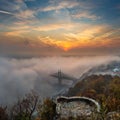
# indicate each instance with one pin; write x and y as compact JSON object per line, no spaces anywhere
{"x":83,"y":108}
{"x":76,"y":106}
{"x":113,"y":116}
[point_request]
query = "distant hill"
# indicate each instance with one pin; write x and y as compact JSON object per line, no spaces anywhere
{"x":112,"y":68}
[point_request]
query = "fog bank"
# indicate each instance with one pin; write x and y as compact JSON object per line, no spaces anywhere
{"x":19,"y":76}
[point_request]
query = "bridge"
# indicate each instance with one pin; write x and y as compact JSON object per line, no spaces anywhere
{"x":61,"y":76}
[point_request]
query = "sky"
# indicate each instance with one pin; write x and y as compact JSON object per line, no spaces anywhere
{"x":59,"y":27}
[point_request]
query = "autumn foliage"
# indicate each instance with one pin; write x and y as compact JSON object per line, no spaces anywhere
{"x":103,"y":88}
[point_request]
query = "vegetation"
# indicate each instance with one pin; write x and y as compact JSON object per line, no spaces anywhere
{"x":47,"y":110}
{"x":105,"y":89}
{"x":24,"y":109}
{"x":3,"y":113}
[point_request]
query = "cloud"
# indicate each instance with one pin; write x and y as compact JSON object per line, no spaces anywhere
{"x":118,"y":6}
{"x":55,"y":26}
{"x":109,"y":38}
{"x":26,"y":14}
{"x":66,"y":4}
{"x":18,"y":9}
{"x":29,"y":0}
{"x":6,"y":12}
{"x":13,"y":6}
{"x":60,"y":5}
{"x":18,"y":29}
{"x":16,"y":46}
{"x":16,"y":33}
{"x":21,"y":28}
{"x":19,"y":76}
{"x":72,"y":35}
{"x":83,"y":38}
{"x":54,"y":22}
{"x":85,"y":14}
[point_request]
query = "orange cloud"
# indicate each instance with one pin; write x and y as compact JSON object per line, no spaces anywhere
{"x":90,"y":37}
{"x":64,"y":44}
{"x":16,"y":33}
{"x":66,"y":36}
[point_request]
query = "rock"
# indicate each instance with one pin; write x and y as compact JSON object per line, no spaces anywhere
{"x":113,"y":116}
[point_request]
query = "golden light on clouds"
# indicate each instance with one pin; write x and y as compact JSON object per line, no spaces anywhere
{"x":71,"y":40}
{"x":16,"y":33}
{"x":53,"y":27}
{"x":59,"y":27}
{"x":65,"y":36}
{"x":68,"y":44}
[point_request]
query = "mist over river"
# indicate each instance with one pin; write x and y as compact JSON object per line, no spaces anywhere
{"x":19,"y":76}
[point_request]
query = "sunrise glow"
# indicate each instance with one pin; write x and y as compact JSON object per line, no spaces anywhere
{"x":53,"y":27}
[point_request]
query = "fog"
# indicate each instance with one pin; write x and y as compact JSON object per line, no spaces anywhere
{"x":19,"y":76}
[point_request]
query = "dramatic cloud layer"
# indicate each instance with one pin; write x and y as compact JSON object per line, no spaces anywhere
{"x":19,"y":76}
{"x":63,"y":25}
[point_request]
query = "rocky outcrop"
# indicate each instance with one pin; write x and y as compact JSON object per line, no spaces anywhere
{"x":76,"y":106}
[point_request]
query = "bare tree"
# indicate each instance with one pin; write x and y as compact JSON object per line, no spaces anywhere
{"x":3,"y":113}
{"x":25,"y":107}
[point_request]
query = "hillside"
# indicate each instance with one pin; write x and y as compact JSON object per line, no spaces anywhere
{"x":103,"y":88}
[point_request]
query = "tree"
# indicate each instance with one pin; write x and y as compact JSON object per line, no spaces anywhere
{"x":25,"y":108}
{"x":47,"y":110}
{"x":3,"y":113}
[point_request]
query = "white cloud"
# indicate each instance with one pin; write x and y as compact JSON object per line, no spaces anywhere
{"x":25,"y":14}
{"x":60,"y":5}
{"x":6,"y":12}
{"x":85,"y":14}
{"x":56,"y":26}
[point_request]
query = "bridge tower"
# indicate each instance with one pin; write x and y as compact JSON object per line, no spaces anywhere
{"x":59,"y":77}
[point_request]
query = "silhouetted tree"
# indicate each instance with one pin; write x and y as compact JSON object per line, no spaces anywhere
{"x":25,"y":108}
{"x":3,"y":113}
